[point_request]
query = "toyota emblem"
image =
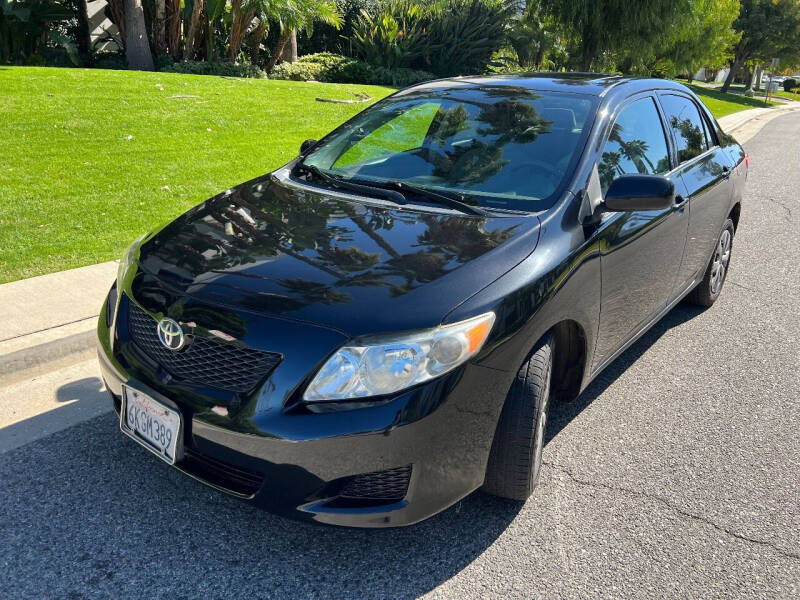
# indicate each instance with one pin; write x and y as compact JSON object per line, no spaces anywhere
{"x":171,"y":334}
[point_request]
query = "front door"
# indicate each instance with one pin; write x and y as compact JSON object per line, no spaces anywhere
{"x":641,"y":251}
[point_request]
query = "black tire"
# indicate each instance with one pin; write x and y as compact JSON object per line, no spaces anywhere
{"x":709,"y":289}
{"x":516,"y":455}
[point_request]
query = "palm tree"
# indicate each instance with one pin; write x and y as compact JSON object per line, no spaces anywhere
{"x":137,"y":46}
{"x":250,"y":15}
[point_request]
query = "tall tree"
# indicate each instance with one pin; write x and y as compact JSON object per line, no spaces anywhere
{"x":701,"y":36}
{"x":160,"y":27}
{"x":534,"y":36}
{"x":173,"y":28}
{"x":137,"y":46}
{"x":769,"y":29}
{"x":193,"y":34}
{"x":609,"y":26}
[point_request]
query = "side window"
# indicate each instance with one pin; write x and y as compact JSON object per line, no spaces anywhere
{"x":637,"y":144}
{"x":710,"y":138}
{"x":687,"y":125}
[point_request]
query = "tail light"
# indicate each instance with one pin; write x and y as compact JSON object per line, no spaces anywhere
{"x":747,"y":161}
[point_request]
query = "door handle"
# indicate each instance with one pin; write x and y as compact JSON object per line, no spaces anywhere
{"x":680,"y":201}
{"x":726,"y":171}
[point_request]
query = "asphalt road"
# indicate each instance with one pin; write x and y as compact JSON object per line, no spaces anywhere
{"x":676,"y":474}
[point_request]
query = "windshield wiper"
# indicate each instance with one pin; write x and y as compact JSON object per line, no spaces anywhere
{"x":342,"y":183}
{"x":437,"y":197}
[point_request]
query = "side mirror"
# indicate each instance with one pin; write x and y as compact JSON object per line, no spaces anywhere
{"x":639,"y":192}
{"x":306,"y":146}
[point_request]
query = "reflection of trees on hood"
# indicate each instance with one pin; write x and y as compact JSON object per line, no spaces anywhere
{"x":236,"y":231}
{"x":210,"y":318}
{"x":458,"y":242}
{"x":349,"y":259}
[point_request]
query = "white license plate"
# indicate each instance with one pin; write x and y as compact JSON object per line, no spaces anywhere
{"x":150,"y":423}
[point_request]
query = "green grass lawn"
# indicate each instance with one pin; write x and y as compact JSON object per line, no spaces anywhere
{"x":738,"y":88}
{"x":90,"y":159}
{"x":721,"y":104}
{"x":788,"y":95}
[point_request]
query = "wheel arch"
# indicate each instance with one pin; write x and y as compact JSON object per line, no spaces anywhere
{"x":569,"y":359}
{"x":736,"y":211}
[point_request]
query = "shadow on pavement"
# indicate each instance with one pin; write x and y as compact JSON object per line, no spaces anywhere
{"x":562,"y":414}
{"x":77,"y":401}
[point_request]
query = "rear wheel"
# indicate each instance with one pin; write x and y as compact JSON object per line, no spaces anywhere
{"x":516,"y":455}
{"x":709,"y":289}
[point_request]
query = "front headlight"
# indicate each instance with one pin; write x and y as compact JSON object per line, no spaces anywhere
{"x":382,"y":365}
{"x":127,"y":258}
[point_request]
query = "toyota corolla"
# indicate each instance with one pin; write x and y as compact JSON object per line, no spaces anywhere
{"x":377,"y":329}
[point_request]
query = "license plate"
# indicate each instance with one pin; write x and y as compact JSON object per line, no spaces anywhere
{"x":150,"y":423}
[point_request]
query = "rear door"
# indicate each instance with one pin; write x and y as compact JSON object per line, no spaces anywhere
{"x":641,"y":251}
{"x":704,"y":168}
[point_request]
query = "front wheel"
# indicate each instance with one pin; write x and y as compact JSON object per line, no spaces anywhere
{"x":516,"y":455}
{"x":709,"y":289}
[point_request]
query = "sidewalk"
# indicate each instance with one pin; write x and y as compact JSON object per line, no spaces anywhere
{"x":49,"y":321}
{"x":744,"y":124}
{"x":50,"y":318}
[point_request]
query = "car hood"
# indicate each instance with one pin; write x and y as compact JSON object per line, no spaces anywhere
{"x":287,"y":249}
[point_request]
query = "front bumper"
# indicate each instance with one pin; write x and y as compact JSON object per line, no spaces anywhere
{"x":296,"y":463}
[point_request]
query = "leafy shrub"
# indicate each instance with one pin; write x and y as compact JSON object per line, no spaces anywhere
{"x":393,"y":35}
{"x":162,"y":61}
{"x":57,"y":57}
{"x":298,"y":71}
{"x":463,"y":35}
{"x":327,"y":38}
{"x":446,"y":37}
{"x":335,"y":68}
{"x":224,"y":69}
{"x":339,"y":69}
{"x":109,"y":60}
{"x":400,"y":77}
{"x":789,"y":84}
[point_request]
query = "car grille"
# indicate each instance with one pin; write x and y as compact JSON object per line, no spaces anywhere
{"x":233,"y":479}
{"x":206,"y":362}
{"x":391,"y":485}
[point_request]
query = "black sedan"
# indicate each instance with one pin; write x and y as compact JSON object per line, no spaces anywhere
{"x":377,"y":329}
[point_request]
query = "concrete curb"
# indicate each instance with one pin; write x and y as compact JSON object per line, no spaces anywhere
{"x":27,"y":362}
{"x":49,"y":321}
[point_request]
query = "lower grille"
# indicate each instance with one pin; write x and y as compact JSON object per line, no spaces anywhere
{"x":384,"y":486}
{"x":206,"y":361}
{"x":234,"y":479}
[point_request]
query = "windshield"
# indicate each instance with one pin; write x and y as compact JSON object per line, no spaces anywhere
{"x":497,"y":146}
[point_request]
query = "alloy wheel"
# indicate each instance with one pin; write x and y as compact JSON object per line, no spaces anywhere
{"x":722,"y":255}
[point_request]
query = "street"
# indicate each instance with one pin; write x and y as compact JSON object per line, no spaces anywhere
{"x":676,"y":474}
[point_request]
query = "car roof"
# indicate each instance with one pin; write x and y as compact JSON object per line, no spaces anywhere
{"x":593,"y":84}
